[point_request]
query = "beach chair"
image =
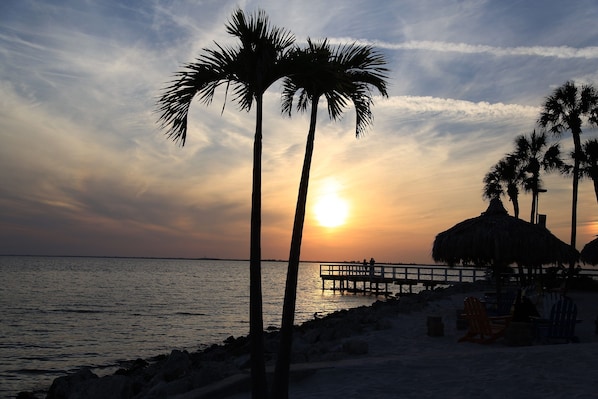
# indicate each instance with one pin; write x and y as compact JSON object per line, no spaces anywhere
{"x":561,"y":324}
{"x":548,"y":300}
{"x":503,"y":305}
{"x":482,"y":329}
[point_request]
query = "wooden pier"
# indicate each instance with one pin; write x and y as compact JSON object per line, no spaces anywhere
{"x":351,"y":277}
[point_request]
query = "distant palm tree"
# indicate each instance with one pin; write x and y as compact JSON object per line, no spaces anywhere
{"x":250,"y":68}
{"x":505,"y":178}
{"x":565,"y":110}
{"x":341,"y":75}
{"x":534,"y":157}
{"x":588,"y":164}
{"x":493,"y":187}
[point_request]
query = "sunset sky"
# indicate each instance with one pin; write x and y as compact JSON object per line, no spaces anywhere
{"x":85,"y":170}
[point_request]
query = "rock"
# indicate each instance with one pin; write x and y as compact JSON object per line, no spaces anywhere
{"x":383,"y":324}
{"x":356,"y":347}
{"x":70,"y":386}
{"x":26,"y":395}
{"x":112,"y":386}
{"x":86,"y":385}
{"x":176,"y":365}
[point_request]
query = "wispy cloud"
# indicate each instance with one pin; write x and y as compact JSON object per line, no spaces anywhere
{"x":460,"y":108}
{"x":565,"y":52}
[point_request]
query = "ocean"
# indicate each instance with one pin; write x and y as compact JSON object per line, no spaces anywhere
{"x":60,"y":314}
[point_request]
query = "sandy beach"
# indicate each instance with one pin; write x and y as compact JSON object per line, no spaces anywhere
{"x":403,"y":361}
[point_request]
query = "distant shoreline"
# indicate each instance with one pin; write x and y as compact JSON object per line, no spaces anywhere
{"x":210,"y":258}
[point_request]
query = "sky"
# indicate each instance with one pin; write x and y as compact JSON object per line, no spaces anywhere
{"x":86,"y":170}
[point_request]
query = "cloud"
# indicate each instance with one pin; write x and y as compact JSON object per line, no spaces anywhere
{"x":82,"y":155}
{"x":565,"y":52}
{"x":459,"y":109}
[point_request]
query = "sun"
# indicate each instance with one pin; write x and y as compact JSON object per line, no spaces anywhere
{"x":331,"y":210}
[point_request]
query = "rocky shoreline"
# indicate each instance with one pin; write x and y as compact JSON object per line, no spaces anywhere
{"x":330,"y":338}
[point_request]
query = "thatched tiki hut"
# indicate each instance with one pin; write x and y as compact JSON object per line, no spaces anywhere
{"x":589,"y":253}
{"x":496,"y":239}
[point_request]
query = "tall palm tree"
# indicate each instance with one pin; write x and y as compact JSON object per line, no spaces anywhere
{"x":588,"y":164}
{"x":532,"y":153}
{"x":565,"y":110}
{"x":505,"y":177}
{"x":249,"y":68}
{"x":342,"y":75}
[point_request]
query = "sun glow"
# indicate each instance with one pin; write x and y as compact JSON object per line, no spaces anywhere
{"x":330,"y":209}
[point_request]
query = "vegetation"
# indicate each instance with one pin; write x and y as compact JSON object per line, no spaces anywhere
{"x":506,"y":176}
{"x":534,"y":155}
{"x":342,"y":75}
{"x":522,"y":169}
{"x":260,"y":59}
{"x":565,"y":110}
{"x":588,"y":163}
{"x":568,"y":108}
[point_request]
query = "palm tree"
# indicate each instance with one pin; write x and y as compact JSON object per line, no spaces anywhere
{"x":565,"y":110}
{"x":341,"y":75}
{"x":250,"y":68}
{"x":532,"y":153}
{"x":505,"y":176}
{"x":588,"y":164}
{"x":493,"y":187}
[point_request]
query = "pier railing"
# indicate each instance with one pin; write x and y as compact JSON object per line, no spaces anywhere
{"x":350,"y":276}
{"x":440,"y":274}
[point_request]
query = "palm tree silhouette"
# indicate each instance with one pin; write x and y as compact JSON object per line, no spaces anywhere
{"x":534,"y":157}
{"x":564,"y":110}
{"x":341,"y":75}
{"x":588,"y":163}
{"x":249,"y":68}
{"x":506,"y":176}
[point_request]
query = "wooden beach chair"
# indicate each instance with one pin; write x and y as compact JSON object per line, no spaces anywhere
{"x":503,"y":306}
{"x":561,"y":324}
{"x":548,"y":300}
{"x":482,"y":329}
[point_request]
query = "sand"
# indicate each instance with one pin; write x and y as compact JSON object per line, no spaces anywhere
{"x":404,"y":362}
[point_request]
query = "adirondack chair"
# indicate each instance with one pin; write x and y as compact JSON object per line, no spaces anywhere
{"x":561,"y":324}
{"x":482,"y":329}
{"x":503,"y":305}
{"x":548,"y":301}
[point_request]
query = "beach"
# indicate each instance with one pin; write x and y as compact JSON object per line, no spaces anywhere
{"x":403,"y":361}
{"x":385,"y":350}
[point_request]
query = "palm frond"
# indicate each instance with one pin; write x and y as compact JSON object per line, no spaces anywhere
{"x":247,"y":69}
{"x":341,"y":74}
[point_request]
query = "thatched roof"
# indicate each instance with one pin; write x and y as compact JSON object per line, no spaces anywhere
{"x":589,"y":253}
{"x":496,"y":237}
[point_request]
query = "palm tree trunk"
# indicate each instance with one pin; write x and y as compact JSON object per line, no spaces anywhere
{"x":577,"y":149}
{"x":532,"y":218}
{"x":577,"y":146}
{"x":259,"y":385}
{"x":514,"y":197}
{"x":280,"y":388}
{"x":595,"y":187}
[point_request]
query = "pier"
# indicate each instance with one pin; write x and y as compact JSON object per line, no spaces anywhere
{"x":351,"y":277}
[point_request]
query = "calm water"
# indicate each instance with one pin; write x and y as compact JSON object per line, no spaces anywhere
{"x":60,"y":314}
